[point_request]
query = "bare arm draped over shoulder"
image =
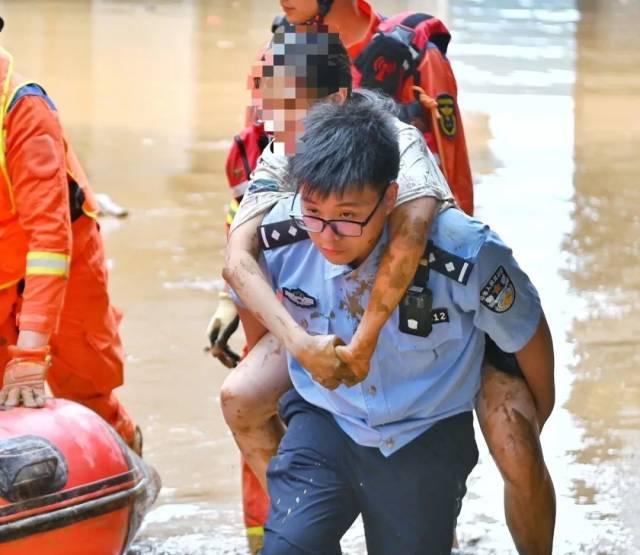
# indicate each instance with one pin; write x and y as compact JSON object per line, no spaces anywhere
{"x":419,"y":177}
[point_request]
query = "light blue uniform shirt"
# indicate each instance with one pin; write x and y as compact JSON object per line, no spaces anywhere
{"x":413,"y":382}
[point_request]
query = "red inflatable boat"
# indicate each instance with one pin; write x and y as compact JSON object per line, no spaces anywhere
{"x":68,"y":484}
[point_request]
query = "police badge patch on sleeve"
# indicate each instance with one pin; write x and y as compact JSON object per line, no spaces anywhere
{"x":499,"y":293}
{"x":299,"y":298}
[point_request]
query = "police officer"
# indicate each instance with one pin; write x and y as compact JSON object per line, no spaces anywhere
{"x":398,"y":447}
{"x":250,"y":393}
{"x":512,"y":407}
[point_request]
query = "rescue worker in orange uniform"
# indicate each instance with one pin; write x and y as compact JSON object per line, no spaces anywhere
{"x":57,"y":323}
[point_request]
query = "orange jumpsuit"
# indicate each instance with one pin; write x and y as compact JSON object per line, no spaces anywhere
{"x":53,"y":276}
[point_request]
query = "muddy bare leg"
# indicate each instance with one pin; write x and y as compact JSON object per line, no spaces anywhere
{"x":507,"y":417}
{"x":249,"y":399}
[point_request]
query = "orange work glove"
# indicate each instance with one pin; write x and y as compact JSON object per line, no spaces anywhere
{"x":24,"y":377}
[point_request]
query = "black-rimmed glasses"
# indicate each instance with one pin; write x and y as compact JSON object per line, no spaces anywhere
{"x":343,"y":228}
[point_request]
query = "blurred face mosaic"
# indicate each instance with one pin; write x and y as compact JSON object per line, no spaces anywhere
{"x":295,"y":72}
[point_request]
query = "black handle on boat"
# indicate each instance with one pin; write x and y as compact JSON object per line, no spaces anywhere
{"x":30,"y":467}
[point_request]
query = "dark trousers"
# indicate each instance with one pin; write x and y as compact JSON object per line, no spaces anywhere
{"x":321,"y":480}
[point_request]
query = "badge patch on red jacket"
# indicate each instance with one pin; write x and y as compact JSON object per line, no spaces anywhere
{"x":499,"y":293}
{"x":237,"y":172}
{"x":447,"y":111}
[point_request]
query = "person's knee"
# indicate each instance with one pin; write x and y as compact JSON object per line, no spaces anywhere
{"x":242,"y":406}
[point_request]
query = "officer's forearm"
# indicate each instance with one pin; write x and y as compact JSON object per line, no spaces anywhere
{"x":409,"y":225}
{"x":537,"y":363}
{"x":243,"y":273}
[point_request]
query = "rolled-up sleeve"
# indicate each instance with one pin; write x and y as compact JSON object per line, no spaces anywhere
{"x":36,"y":165}
{"x":268,"y":185}
{"x":419,"y":174}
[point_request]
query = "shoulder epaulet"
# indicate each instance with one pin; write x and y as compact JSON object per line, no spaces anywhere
{"x":285,"y":232}
{"x":447,"y":264}
{"x":280,"y":234}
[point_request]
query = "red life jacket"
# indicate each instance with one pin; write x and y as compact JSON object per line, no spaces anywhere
{"x":243,"y":156}
{"x":241,"y":161}
{"x":409,"y":50}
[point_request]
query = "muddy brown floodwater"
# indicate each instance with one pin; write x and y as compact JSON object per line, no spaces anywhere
{"x":151,"y":92}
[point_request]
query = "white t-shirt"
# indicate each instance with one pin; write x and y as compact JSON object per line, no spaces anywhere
{"x":419,"y":176}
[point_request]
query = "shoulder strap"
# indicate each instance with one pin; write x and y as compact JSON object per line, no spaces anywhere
{"x":421,"y":29}
{"x":280,"y":234}
{"x":434,"y":30}
{"x":285,"y":232}
{"x":415,"y":19}
{"x":243,"y":155}
{"x":443,"y":262}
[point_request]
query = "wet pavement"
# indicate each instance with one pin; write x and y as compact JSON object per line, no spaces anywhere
{"x":151,"y":92}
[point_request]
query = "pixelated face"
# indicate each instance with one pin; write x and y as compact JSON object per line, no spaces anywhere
{"x":344,"y":213}
{"x":285,"y":83}
{"x":299,"y":11}
{"x":282,"y":102}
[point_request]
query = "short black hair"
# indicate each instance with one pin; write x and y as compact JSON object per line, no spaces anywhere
{"x":346,"y":146}
{"x":318,"y":57}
